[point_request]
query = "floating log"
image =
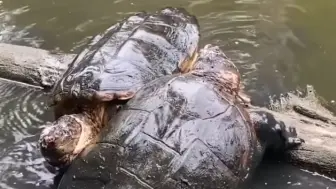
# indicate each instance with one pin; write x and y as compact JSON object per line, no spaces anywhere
{"x":313,"y":122}
{"x":36,"y":67}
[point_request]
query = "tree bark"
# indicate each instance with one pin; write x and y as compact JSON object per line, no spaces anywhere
{"x":32,"y":66}
{"x":318,"y":152}
{"x":314,"y":123}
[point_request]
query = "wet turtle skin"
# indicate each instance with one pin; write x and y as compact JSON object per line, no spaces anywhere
{"x":116,"y":64}
{"x":132,"y":53}
{"x":179,"y":131}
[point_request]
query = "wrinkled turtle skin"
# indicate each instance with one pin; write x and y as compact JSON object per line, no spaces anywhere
{"x":116,"y":64}
{"x":180,"y":131}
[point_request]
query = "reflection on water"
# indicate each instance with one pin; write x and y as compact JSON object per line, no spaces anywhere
{"x":10,"y":33}
{"x":22,"y":167}
{"x":277,"y":44}
{"x":272,"y":41}
{"x":22,"y":111}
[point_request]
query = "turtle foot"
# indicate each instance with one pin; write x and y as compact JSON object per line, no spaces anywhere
{"x":275,"y":133}
{"x":111,"y":96}
{"x":290,"y":136}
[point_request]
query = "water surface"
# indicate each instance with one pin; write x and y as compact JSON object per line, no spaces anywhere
{"x":277,"y":44}
{"x":289,"y":42}
{"x":22,"y":110}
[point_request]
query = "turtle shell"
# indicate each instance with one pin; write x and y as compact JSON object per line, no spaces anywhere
{"x":131,"y":53}
{"x":176,"y":132}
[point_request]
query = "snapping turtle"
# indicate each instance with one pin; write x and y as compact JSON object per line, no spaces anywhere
{"x":128,"y":55}
{"x":182,"y":131}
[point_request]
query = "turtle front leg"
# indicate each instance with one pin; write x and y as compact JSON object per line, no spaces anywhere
{"x":273,"y":133}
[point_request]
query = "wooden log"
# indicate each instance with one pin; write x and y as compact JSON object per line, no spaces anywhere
{"x":36,"y":67}
{"x":314,"y":123}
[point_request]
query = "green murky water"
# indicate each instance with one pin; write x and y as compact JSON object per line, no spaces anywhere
{"x":291,"y":42}
{"x":277,"y":44}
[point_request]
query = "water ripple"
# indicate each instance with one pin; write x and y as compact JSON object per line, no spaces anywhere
{"x":21,"y":166}
{"x":255,"y":36}
{"x":22,"y":111}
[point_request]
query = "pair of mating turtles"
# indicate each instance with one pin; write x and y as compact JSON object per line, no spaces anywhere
{"x":181,"y":121}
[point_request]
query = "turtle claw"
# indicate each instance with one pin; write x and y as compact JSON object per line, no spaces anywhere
{"x":293,"y":142}
{"x":274,"y":133}
{"x":290,"y":136}
{"x":110,"y":96}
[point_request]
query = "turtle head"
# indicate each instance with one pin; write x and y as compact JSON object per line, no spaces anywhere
{"x":212,"y":58}
{"x":59,"y":140}
{"x":213,"y":64}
